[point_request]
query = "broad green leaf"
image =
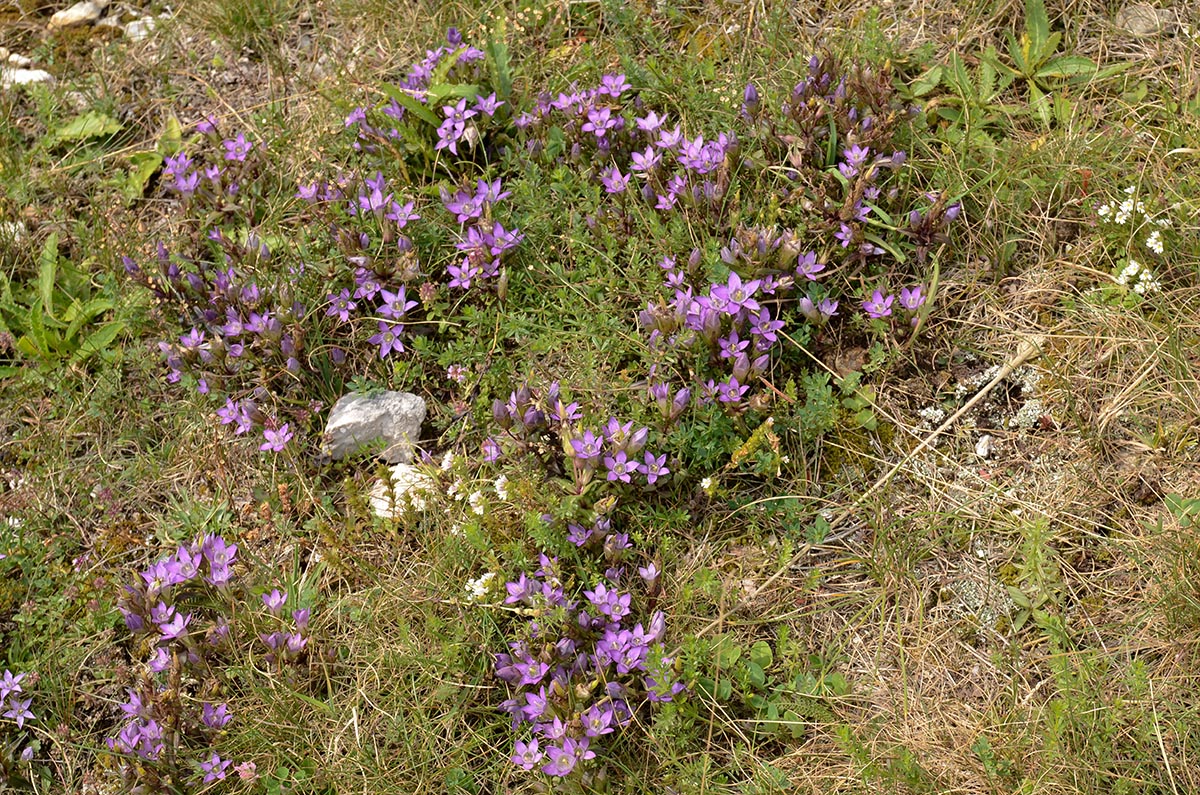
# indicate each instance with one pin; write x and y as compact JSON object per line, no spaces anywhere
{"x":1019,"y":598}
{"x":756,"y":675}
{"x":48,"y":271}
{"x":443,"y":91}
{"x":88,"y":125}
{"x":794,"y":723}
{"x":1039,"y":102}
{"x":100,"y":340}
{"x":726,"y":652}
{"x":1067,"y":66}
{"x":9,"y":372}
{"x":171,"y":140}
{"x":143,"y":165}
{"x":76,"y":318}
{"x":1037,"y":23}
{"x":760,"y":654}
{"x":410,"y":103}
{"x":498,"y":51}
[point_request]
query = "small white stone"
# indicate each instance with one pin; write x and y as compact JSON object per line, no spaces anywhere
{"x":23,"y":77}
{"x":140,"y":29}
{"x":14,"y":231}
{"x":18,"y":60}
{"x":84,"y":13}
{"x":983,"y":448}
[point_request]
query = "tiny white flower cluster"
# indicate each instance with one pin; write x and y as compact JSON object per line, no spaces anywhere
{"x":1121,"y":213}
{"x":476,"y":500}
{"x":1154,"y":242}
{"x":477,"y":588}
{"x":1138,"y":277}
{"x":501,"y":486}
{"x":448,"y":461}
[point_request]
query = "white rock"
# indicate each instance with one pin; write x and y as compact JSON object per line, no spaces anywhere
{"x":357,"y":421}
{"x":23,"y":77}
{"x":14,"y":231}
{"x":84,"y":13}
{"x":139,"y":29}
{"x":18,"y":60}
{"x":409,"y":487}
{"x":983,"y":448}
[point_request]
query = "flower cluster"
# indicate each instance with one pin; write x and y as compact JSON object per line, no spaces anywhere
{"x":483,"y":241}
{"x":165,"y":722}
{"x":218,"y":173}
{"x":580,"y":671}
{"x":14,"y":707}
{"x":529,"y":420}
{"x":458,"y":121}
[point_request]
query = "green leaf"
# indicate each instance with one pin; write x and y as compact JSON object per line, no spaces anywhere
{"x":886,"y":246}
{"x":1039,"y":102}
{"x":410,"y":103}
{"x":87,"y":125}
{"x":100,"y":340}
{"x":927,"y":81}
{"x":47,"y":271}
{"x":143,"y":165}
{"x":760,"y":654}
{"x":171,"y":140}
{"x":756,"y":675}
{"x":498,"y":51}
{"x":794,"y":723}
{"x":442,"y":91}
{"x":726,"y":652}
{"x":1019,"y":598}
{"x":1067,"y":66}
{"x":1037,"y":23}
{"x":1016,"y":51}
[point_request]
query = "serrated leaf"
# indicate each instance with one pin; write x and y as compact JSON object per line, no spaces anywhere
{"x":88,"y":125}
{"x":100,"y":340}
{"x":1067,"y":66}
{"x":410,"y":103}
{"x":926,"y":81}
{"x":47,"y":271}
{"x":1016,"y":51}
{"x":1039,"y":102}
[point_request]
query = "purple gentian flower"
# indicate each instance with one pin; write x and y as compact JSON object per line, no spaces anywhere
{"x":276,"y":440}
{"x":654,"y":468}
{"x":527,"y":755}
{"x":238,"y":148}
{"x":214,"y":768}
{"x":878,"y":306}
{"x":275,"y":600}
{"x":912,"y":298}
{"x":388,"y":339}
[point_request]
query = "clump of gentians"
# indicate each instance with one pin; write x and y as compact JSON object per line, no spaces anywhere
{"x":546,"y":424}
{"x":179,"y":611}
{"x":580,"y":671}
{"x":15,"y":706}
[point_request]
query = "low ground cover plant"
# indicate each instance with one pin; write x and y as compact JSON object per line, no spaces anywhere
{"x":721,"y":470}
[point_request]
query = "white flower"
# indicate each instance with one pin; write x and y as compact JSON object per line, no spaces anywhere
{"x":501,"y":485}
{"x":447,"y":460}
{"x":1104,"y":210}
{"x":408,"y":486}
{"x":708,"y":484}
{"x":1154,"y":242}
{"x":476,"y":500}
{"x":478,"y":588}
